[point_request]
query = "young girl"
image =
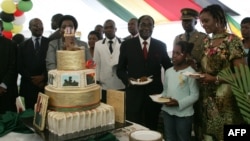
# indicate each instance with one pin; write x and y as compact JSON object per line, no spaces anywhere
{"x":183,"y":93}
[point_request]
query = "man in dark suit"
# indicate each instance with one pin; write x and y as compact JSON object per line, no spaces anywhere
{"x":55,"y":26}
{"x":31,"y":63}
{"x":132,"y":28}
{"x":133,"y":65}
{"x":8,"y":74}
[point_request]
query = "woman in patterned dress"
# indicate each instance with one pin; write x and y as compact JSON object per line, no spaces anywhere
{"x":221,"y":50}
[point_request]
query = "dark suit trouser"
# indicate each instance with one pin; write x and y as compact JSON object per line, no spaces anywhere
{"x":30,"y":93}
{"x":141,"y":109}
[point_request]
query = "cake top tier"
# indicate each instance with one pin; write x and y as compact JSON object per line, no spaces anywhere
{"x":70,"y":60}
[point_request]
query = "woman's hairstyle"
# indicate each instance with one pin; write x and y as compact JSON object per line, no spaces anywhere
{"x":245,"y":20}
{"x":70,"y":18}
{"x":217,"y":13}
{"x":97,"y":34}
{"x":186,"y":47}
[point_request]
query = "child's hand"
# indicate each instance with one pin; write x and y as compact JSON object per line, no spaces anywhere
{"x":172,"y":102}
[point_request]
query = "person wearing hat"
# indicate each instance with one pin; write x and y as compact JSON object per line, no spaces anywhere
{"x":189,"y":20}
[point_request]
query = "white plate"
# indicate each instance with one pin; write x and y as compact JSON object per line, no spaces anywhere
{"x":193,"y":75}
{"x":159,"y":99}
{"x":145,"y":135}
{"x":141,"y":83}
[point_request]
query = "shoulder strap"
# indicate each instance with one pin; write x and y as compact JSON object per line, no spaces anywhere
{"x":103,"y":41}
{"x":119,"y":40}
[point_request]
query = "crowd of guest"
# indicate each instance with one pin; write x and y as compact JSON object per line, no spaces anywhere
{"x":203,"y":105}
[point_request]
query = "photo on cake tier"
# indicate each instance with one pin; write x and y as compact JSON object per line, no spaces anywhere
{"x":70,"y":80}
{"x":90,"y":78}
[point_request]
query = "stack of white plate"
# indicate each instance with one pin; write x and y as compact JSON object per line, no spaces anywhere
{"x":145,"y":135}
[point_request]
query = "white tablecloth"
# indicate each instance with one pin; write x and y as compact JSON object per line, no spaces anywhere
{"x":121,"y":134}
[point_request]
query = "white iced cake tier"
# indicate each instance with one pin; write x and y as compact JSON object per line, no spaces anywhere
{"x":61,"y":123}
{"x":70,"y":60}
{"x":71,"y":80}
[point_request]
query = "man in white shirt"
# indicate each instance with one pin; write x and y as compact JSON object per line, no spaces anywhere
{"x":106,"y":56}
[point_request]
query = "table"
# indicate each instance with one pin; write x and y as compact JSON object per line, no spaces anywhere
{"x":121,"y":134}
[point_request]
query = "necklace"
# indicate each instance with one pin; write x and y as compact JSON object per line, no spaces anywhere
{"x":217,"y":36}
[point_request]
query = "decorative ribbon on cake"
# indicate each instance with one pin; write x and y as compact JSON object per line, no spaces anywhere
{"x":76,"y":108}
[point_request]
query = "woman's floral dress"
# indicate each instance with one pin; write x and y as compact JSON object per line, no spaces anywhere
{"x":217,"y":104}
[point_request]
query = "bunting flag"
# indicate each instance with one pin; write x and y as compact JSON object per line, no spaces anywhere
{"x":171,"y":8}
{"x":140,"y":7}
{"x":233,"y":26}
{"x":117,"y":9}
{"x":163,"y":11}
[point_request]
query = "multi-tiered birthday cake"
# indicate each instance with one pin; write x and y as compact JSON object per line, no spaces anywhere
{"x":74,"y":97}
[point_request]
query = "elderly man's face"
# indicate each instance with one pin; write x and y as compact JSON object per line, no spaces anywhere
{"x":146,"y":27}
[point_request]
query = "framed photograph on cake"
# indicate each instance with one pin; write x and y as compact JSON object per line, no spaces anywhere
{"x":90,"y":78}
{"x":40,"y":111}
{"x":70,"y":80}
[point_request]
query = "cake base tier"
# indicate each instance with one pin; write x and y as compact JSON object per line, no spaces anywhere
{"x":46,"y":135}
{"x":62,"y":123}
{"x":70,"y":101}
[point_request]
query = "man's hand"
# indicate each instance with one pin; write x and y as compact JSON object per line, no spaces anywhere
{"x":36,"y":80}
{"x":2,"y":90}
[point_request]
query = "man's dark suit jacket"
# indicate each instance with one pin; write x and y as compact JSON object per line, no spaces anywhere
{"x":8,"y":74}
{"x":132,"y":64}
{"x":31,"y":64}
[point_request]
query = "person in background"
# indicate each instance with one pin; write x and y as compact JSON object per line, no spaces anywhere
{"x":245,"y":32}
{"x":55,"y":26}
{"x":18,"y":38}
{"x":132,"y":28}
{"x":100,"y":30}
{"x":8,"y":74}
{"x":189,"y":21}
{"x":183,"y":92}
{"x":140,"y":58}
{"x":67,"y":21}
{"x":221,"y":51}
{"x":31,"y":63}
{"x":93,"y":37}
{"x":106,"y":55}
